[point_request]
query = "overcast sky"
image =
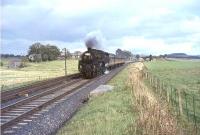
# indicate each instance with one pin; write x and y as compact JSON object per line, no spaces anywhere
{"x":144,"y":26}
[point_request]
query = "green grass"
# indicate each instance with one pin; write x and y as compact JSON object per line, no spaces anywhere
{"x":110,"y":113}
{"x":183,"y":75}
{"x":35,"y":71}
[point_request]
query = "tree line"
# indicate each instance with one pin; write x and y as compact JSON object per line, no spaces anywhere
{"x":11,"y":55}
{"x":40,"y":52}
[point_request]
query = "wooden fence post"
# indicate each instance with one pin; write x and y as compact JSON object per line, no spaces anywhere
{"x":194,"y":109}
{"x":2,"y":86}
{"x":172,"y":95}
{"x":150,"y":77}
{"x":145,"y":75}
{"x":186,"y":105}
{"x":160,"y":85}
{"x":180,"y":103}
{"x":156,"y":83}
{"x":168,"y":95}
{"x":153,"y":84}
{"x":164,"y":90}
{"x":176,"y":104}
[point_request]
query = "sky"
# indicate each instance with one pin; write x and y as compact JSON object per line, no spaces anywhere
{"x":142,"y":27}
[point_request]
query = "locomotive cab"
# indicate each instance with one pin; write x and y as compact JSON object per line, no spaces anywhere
{"x":86,"y":57}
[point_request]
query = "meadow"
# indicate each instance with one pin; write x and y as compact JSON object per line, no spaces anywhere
{"x":181,"y":74}
{"x":34,"y":72}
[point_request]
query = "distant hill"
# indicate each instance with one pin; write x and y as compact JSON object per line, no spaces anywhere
{"x":183,"y":55}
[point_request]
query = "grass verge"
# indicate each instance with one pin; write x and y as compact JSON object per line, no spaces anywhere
{"x":154,"y":115}
{"x":110,"y":113}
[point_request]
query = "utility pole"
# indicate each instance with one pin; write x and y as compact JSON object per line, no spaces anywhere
{"x":65,"y":61}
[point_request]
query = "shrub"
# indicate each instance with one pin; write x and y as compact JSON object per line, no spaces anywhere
{"x":1,"y":64}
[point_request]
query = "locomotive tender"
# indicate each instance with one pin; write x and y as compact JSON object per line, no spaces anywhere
{"x":94,"y":62}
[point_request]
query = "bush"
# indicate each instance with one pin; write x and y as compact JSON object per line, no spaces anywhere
{"x":24,"y":62}
{"x":1,"y":64}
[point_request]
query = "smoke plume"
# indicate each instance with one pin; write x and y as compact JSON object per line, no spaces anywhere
{"x":94,"y":40}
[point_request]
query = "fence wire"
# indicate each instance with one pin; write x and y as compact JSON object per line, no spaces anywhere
{"x":185,"y":104}
{"x":11,"y":81}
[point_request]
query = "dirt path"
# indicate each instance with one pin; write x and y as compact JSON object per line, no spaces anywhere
{"x":154,"y":117}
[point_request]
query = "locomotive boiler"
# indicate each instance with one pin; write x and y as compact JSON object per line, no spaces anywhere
{"x":95,"y":62}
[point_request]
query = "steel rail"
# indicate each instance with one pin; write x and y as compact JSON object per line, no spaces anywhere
{"x":74,"y":85}
{"x":17,"y":92}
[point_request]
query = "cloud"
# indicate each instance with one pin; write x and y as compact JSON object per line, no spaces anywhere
{"x":141,"y":45}
{"x":167,"y":24}
{"x":191,"y":25}
{"x":15,"y":46}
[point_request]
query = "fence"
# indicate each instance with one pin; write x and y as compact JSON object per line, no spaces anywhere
{"x":14,"y":82}
{"x":185,"y":105}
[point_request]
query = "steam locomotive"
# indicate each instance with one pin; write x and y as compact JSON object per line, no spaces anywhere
{"x":95,"y":62}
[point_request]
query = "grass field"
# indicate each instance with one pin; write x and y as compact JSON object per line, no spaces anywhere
{"x":182,"y":74}
{"x":35,"y":71}
{"x":185,"y":76}
{"x":108,"y":114}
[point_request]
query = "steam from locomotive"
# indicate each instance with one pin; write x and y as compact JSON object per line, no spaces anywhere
{"x":94,"y":40}
{"x":91,"y":42}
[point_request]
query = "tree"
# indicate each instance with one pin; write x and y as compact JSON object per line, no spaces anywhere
{"x":35,"y":48}
{"x":47,"y":52}
{"x":68,"y":54}
{"x":128,"y":54}
{"x":150,"y":57}
{"x":137,"y":56}
{"x":52,"y":51}
{"x":1,"y":64}
{"x":124,"y":53}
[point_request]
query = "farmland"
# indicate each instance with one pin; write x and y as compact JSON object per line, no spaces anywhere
{"x":35,"y":72}
{"x":182,"y":86}
{"x":182,"y":74}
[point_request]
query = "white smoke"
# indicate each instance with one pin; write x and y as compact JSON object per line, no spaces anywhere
{"x":107,"y":72}
{"x":94,"y":40}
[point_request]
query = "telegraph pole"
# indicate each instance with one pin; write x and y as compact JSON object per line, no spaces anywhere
{"x":65,"y":61}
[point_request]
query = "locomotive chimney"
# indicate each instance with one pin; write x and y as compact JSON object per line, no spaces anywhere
{"x":89,"y":48}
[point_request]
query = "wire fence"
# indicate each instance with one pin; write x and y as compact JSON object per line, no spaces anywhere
{"x":185,"y":104}
{"x":15,"y":82}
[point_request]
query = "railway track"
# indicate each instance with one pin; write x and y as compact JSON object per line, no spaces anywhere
{"x":36,"y":87}
{"x":16,"y":112}
{"x":44,"y":111}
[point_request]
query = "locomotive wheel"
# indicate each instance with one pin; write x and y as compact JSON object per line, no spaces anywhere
{"x":88,"y":75}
